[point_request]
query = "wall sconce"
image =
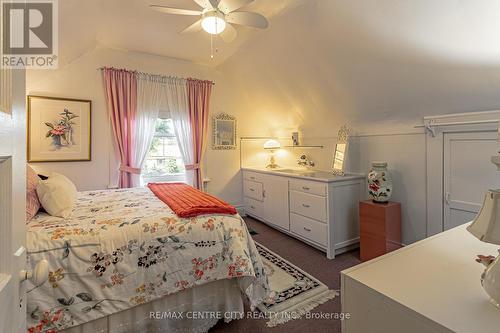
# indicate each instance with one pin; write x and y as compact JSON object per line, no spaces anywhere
{"x":271,"y":146}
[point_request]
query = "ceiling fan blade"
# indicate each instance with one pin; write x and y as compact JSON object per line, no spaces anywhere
{"x":214,"y":3}
{"x":195,"y":27}
{"x":205,"y":4}
{"x":247,"y":18}
{"x":177,"y":11}
{"x":228,"y":6}
{"x":229,"y":34}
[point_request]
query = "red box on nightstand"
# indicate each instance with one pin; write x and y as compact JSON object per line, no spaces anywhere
{"x":380,"y":228}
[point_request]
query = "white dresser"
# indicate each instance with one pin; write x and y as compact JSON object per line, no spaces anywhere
{"x":430,"y":286}
{"x":318,"y":208}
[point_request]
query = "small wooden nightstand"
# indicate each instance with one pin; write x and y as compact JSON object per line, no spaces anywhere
{"x":380,"y":228}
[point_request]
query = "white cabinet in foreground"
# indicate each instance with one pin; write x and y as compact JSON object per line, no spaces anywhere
{"x":318,"y":208}
{"x":431,"y":286}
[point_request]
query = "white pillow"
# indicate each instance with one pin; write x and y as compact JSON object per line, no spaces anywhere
{"x":57,"y":194}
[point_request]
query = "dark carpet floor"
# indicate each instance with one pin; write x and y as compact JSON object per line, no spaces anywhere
{"x":310,"y":260}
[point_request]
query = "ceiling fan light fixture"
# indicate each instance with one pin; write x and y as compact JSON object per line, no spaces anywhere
{"x":213,"y":22}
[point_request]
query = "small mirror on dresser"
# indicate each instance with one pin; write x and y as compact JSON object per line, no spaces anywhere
{"x":339,"y":158}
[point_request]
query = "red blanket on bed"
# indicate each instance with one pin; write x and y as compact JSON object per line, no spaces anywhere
{"x":187,"y":201}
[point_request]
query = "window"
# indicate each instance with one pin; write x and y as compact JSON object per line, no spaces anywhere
{"x":164,"y":161}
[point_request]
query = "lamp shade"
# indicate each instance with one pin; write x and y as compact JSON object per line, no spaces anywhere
{"x":272,"y":144}
{"x":486,"y":225}
{"x":213,"y":22}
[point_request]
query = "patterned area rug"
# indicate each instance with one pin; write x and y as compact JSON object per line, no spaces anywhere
{"x":294,"y":291}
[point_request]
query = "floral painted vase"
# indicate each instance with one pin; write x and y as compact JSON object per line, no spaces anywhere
{"x":489,"y":278}
{"x":379,"y":182}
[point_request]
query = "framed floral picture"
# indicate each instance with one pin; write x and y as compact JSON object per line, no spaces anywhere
{"x":58,"y":129}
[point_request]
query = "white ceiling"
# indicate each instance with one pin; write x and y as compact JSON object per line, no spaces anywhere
{"x":454,"y":29}
{"x":131,"y":25}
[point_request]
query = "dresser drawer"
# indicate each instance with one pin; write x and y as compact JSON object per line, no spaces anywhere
{"x":253,"y":207}
{"x":252,"y":190}
{"x":309,"y":205}
{"x":308,"y":187}
{"x":252,"y":176}
{"x":310,"y":229}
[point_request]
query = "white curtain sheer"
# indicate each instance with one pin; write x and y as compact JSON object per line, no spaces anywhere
{"x":177,"y":102}
{"x":148,"y":105}
{"x":159,"y":97}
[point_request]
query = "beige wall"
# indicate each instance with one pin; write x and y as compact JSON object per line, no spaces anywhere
{"x":82,"y":79}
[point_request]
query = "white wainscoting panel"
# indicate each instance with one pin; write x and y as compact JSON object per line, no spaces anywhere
{"x":405,"y":154}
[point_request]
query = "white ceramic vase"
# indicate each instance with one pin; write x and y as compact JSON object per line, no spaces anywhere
{"x":490,"y":280}
{"x":379,"y":182}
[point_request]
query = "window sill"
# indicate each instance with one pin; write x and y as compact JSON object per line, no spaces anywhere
{"x":164,"y":179}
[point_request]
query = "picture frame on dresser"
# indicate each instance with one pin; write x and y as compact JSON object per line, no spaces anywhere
{"x":341,"y":149}
{"x":59,"y":129}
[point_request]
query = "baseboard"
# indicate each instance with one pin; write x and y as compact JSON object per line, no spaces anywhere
{"x":347,"y":246}
{"x":240,"y":209}
{"x":354,"y":241}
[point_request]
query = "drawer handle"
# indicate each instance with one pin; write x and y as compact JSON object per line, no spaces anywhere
{"x":252,"y":190}
{"x":252,"y":207}
{"x":305,"y":188}
{"x":306,"y":205}
{"x":252,"y":178}
{"x":307,"y":229}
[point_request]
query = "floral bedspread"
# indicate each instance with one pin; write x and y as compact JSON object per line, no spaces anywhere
{"x":122,"y":248}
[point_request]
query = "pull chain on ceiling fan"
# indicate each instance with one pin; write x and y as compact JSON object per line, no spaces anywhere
{"x":218,"y":17}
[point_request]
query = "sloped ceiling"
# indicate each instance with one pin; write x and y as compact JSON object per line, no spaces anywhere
{"x":332,"y":60}
{"x":325,"y":62}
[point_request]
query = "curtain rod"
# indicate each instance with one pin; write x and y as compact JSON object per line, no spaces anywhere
{"x":160,"y":76}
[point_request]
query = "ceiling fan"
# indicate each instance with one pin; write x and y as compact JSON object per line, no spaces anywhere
{"x":218,"y":17}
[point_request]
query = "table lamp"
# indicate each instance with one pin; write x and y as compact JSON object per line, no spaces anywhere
{"x":486,"y":227}
{"x":271,"y":146}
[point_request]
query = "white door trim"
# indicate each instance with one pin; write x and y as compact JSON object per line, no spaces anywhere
{"x":435,"y":157}
{"x":12,"y":200}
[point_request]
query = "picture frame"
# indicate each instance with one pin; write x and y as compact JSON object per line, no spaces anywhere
{"x":341,"y":149}
{"x":224,"y":131}
{"x":59,"y":129}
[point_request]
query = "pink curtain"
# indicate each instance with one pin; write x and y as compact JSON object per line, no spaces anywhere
{"x":121,"y":97}
{"x":199,"y":107}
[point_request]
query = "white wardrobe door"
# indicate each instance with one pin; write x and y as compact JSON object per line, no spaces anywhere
{"x":468,"y":174}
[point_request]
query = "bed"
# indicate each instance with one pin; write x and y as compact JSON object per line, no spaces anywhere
{"x":124,"y":257}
